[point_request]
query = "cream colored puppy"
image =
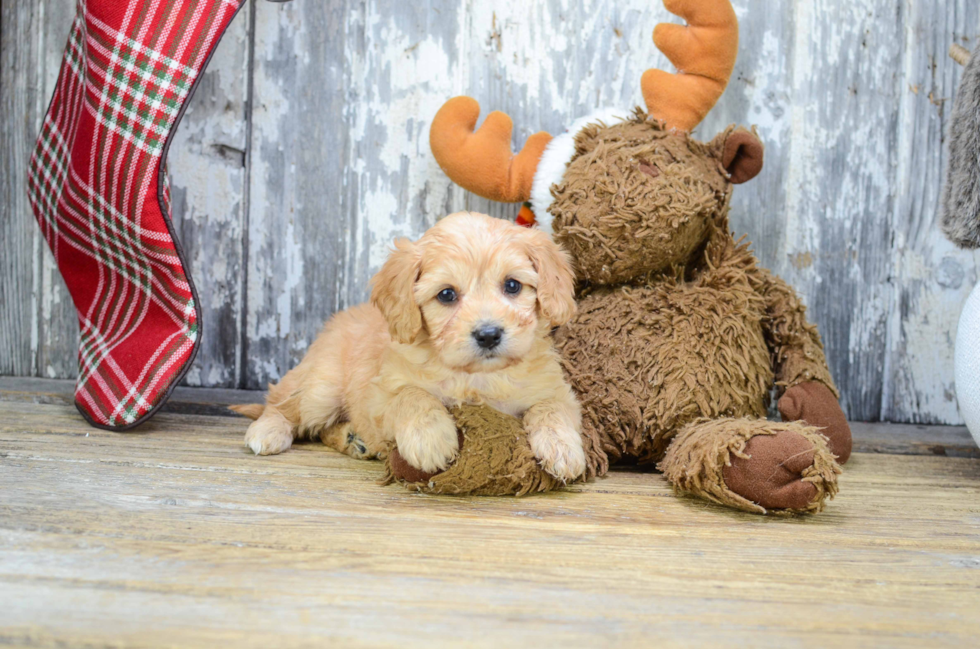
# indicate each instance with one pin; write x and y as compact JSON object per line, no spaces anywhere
{"x":463,"y":315}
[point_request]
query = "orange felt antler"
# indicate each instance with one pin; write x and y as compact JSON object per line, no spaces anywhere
{"x":482,"y":162}
{"x":704,"y":54}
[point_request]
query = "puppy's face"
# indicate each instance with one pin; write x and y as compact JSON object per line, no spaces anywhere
{"x":478,"y":290}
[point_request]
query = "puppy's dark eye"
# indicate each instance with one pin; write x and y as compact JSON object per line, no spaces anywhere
{"x":512,"y":287}
{"x":447,"y":296}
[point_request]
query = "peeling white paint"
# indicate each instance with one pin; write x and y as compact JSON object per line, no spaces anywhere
{"x":843,"y":210}
{"x":208,"y":193}
{"x":275,"y":247}
{"x":932,"y":279}
{"x":401,"y":84}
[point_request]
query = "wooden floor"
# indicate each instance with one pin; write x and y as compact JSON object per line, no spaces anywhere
{"x":176,"y":535}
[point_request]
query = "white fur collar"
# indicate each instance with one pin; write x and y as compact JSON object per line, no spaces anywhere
{"x":554,"y":160}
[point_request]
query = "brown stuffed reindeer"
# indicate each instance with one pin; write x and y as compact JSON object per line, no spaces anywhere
{"x":680,"y":335}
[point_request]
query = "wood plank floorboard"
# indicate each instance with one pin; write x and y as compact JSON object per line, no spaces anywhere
{"x":175,"y":535}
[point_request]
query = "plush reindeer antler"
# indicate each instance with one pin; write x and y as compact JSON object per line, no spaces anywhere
{"x":482,"y":162}
{"x":704,"y":54}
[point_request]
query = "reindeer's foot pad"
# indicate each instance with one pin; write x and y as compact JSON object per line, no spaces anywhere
{"x":754,"y":465}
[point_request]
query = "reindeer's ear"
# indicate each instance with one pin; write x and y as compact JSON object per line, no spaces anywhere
{"x":393,"y":291}
{"x":556,"y":281}
{"x":740,"y":152}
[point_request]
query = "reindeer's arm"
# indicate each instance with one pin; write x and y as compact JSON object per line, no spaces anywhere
{"x":802,"y":376}
{"x":794,"y":343}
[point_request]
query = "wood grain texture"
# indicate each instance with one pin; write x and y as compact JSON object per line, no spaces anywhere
{"x":900,"y":439}
{"x":932,"y":279}
{"x":298,"y":227}
{"x":849,"y":98}
{"x":57,"y":336}
{"x":19,"y":48}
{"x":175,"y":535}
{"x":208,"y":191}
{"x":38,"y":326}
{"x":841,"y":207}
{"x":215,"y":401}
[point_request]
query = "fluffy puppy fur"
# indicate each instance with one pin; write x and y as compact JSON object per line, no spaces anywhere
{"x":961,"y":197}
{"x":390,"y":369}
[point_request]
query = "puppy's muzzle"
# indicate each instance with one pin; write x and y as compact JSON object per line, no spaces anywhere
{"x":488,"y":337}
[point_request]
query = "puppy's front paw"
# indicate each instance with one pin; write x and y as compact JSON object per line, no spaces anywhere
{"x":429,"y":443}
{"x":559,"y":451}
{"x":269,"y":435}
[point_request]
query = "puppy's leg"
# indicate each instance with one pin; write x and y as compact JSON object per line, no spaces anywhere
{"x":295,"y":411}
{"x":306,"y":400}
{"x":270,"y":434}
{"x":342,"y":437}
{"x":321,"y":411}
{"x":320,"y":404}
{"x":274,"y":430}
{"x":423,"y":430}
{"x":554,"y":432}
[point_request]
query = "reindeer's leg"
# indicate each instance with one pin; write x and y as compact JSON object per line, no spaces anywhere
{"x":753,"y":464}
{"x":807,"y":391}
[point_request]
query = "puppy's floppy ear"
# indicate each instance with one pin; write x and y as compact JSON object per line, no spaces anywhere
{"x":393,"y":291}
{"x":556,"y":281}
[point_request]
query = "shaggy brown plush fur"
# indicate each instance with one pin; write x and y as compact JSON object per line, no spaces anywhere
{"x":494,"y":460}
{"x":620,"y":176}
{"x":961,"y":197}
{"x":677,"y":323}
{"x":689,"y":326}
{"x":704,"y":449}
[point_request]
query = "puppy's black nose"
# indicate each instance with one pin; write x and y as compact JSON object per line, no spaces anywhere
{"x":488,"y":336}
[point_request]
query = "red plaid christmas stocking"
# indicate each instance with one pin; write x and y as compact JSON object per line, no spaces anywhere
{"x":97,"y":185}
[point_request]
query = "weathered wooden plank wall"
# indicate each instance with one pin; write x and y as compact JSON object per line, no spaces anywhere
{"x":305,"y":152}
{"x":38,"y":329}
